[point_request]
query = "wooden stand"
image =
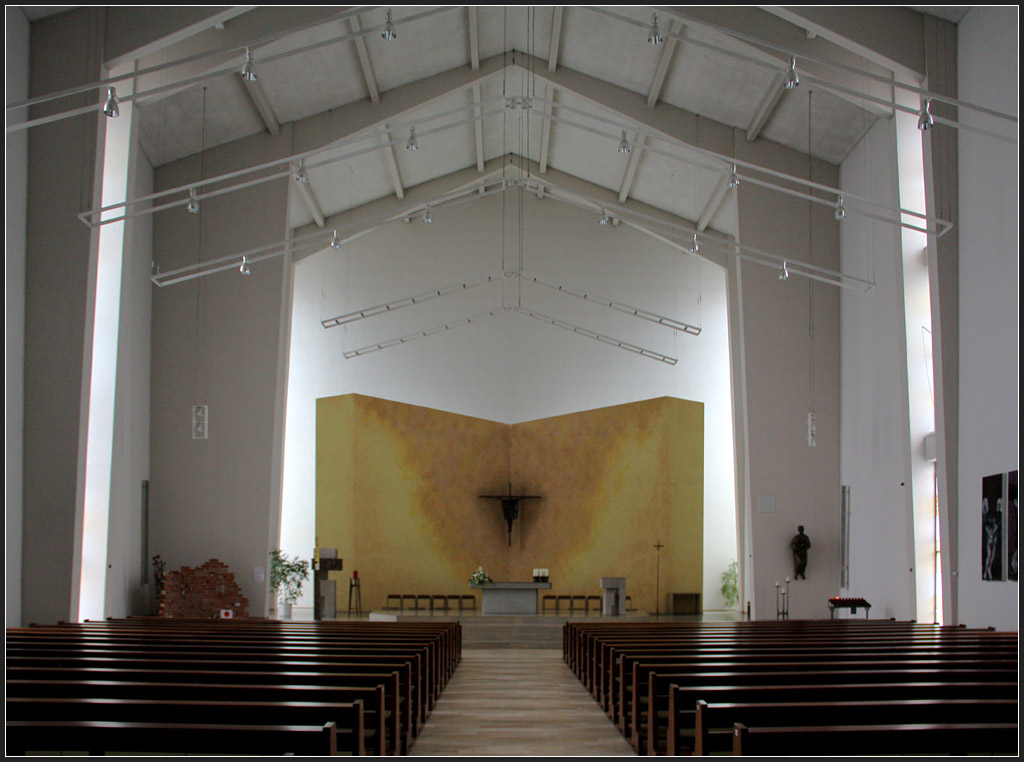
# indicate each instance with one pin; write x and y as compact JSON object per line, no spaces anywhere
{"x":320,"y":571}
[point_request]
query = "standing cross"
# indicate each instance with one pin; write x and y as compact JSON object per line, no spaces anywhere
{"x":657,"y":586}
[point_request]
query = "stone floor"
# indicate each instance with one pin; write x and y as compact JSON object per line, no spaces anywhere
{"x":517,"y":702}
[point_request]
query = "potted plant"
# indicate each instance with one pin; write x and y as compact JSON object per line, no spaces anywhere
{"x":730,"y":585}
{"x":286,"y":578}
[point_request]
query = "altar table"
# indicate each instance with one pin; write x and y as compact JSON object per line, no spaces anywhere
{"x":509,"y":597}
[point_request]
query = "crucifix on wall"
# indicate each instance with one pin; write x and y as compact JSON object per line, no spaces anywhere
{"x":510,"y":507}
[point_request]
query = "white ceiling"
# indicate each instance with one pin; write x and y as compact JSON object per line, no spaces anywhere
{"x":602,"y":82}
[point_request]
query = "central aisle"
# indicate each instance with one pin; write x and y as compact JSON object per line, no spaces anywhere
{"x":517,"y":702}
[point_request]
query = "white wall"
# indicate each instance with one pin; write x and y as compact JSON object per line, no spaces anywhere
{"x":510,"y":367}
{"x":16,"y":168}
{"x":989,"y":297}
{"x":875,"y":427}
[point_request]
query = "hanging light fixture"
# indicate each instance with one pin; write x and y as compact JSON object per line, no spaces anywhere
{"x":335,"y":241}
{"x":624,"y":145}
{"x":926,"y":121}
{"x":655,"y":37}
{"x":426,"y":214}
{"x":693,"y":248}
{"x":110,"y":107}
{"x":792,"y":80}
{"x":605,"y":219}
{"x":412,"y":144}
{"x":249,"y":69}
{"x":840,"y":209}
{"x":734,"y":179}
{"x":389,"y":34}
{"x":784,"y":271}
{"x":193,"y":202}
{"x":300,"y":173}
{"x":244,"y":267}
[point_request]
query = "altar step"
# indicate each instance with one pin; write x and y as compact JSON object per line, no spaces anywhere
{"x":512,"y":632}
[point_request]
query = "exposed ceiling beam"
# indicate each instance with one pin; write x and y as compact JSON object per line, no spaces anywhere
{"x":711,"y":208}
{"x":389,"y":159}
{"x":630,"y":172}
{"x":309,"y":199}
{"x":474,"y":38}
{"x":478,"y":126}
{"x":545,"y":130}
{"x":259,"y":99}
{"x":768,"y":103}
{"x":668,"y":49}
{"x":364,"y":59}
{"x":556,"y":37}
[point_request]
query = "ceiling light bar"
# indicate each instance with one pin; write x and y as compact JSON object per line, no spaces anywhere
{"x":420,"y":334}
{"x":88,"y":216}
{"x":942,"y":225}
{"x":205,"y":77}
{"x":888,"y":82}
{"x":649,"y":353}
{"x":316,"y":240}
{"x":407,"y":301}
{"x":653,"y":317}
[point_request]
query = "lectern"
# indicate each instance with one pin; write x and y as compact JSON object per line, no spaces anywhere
{"x":324,"y":588}
{"x":614,"y":603}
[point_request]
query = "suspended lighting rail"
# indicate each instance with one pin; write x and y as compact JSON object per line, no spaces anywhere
{"x":206,"y":76}
{"x":433,"y":331}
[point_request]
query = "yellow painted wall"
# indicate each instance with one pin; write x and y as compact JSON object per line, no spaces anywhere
{"x":398,"y":491}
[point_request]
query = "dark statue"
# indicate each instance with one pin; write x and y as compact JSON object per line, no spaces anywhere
{"x":799,"y":545}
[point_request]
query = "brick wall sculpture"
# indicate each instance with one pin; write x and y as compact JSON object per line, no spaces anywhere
{"x":202,"y":593}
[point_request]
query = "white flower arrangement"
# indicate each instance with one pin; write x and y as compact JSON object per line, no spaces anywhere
{"x":479,"y":577}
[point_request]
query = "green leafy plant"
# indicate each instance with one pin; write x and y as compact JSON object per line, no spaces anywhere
{"x":479,"y":577}
{"x":287,"y":575}
{"x":730,"y":585}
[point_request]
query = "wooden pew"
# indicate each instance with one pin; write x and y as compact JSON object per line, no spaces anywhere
{"x":680,"y":736}
{"x":650,"y":722}
{"x":923,"y":739}
{"x":153,"y":737}
{"x":383,"y":726}
{"x":347,"y":717}
{"x":713,"y":732}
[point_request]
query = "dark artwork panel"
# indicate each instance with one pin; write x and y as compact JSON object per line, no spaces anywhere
{"x":1012,"y":540}
{"x":992,"y":527}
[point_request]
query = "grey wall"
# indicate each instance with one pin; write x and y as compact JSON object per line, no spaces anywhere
{"x":215,"y":342}
{"x":17,"y":50}
{"x":61,"y":163}
{"x":989,"y":304}
{"x":778,"y":360}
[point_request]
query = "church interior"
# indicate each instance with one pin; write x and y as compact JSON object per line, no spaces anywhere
{"x":513,"y":325}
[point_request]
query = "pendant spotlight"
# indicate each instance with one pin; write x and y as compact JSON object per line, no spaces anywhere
{"x":792,"y":80}
{"x":693,"y":248}
{"x":412,"y":144}
{"x":784,"y":271}
{"x":605,"y":219}
{"x":734,"y":179}
{"x":110,"y":107}
{"x":926,"y":121}
{"x":624,"y":145}
{"x":249,"y":69}
{"x":840,"y":209}
{"x":300,"y":173}
{"x":426,"y":214}
{"x":193,"y":202}
{"x":655,"y":37}
{"x":389,"y":34}
{"x":335,"y":241}
{"x":244,"y":267}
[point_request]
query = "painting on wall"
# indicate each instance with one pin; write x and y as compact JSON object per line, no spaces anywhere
{"x":1012,"y":541}
{"x":992,"y":527}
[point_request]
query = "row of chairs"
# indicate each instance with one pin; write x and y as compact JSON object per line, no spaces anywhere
{"x":576,"y":603}
{"x":431,"y":602}
{"x":801,"y":687}
{"x":239,"y":686}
